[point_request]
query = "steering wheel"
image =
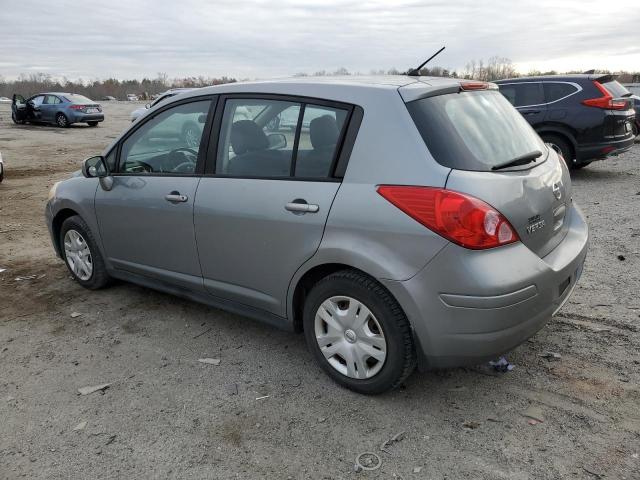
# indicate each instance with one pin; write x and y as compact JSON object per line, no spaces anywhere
{"x":187,"y":153}
{"x":138,"y":167}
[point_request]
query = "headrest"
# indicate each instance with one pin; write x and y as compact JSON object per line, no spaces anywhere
{"x":323,"y":131}
{"x":247,"y":136}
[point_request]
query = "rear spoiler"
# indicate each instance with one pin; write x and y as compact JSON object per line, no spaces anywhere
{"x":418,"y":91}
{"x":603,"y":77}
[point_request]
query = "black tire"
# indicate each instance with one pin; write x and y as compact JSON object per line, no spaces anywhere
{"x":61,"y":120}
{"x":578,"y":166}
{"x":562,"y":146}
{"x":99,"y":277}
{"x":93,"y":124}
{"x":400,"y":358}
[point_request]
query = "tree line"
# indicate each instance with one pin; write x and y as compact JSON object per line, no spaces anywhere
{"x":495,"y":68}
{"x":31,"y":84}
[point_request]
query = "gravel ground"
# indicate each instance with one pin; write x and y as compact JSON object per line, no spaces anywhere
{"x":267,"y":411}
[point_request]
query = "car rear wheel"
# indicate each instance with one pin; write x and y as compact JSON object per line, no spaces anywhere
{"x":81,"y":254}
{"x":61,"y":120}
{"x":358,"y":333}
{"x":563,"y":147}
{"x":92,"y":124}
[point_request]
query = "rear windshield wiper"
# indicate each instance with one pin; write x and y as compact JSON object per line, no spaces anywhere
{"x":521,"y":160}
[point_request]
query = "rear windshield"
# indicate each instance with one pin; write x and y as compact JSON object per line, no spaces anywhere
{"x":473,"y":130}
{"x":74,"y":98}
{"x":616,"y":89}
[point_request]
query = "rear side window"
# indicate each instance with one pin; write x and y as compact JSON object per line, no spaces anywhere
{"x":554,"y":91}
{"x":265,"y":138}
{"x":473,"y":130}
{"x":523,"y":94}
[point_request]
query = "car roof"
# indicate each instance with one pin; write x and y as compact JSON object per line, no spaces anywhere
{"x":572,"y":76}
{"x":346,"y":88}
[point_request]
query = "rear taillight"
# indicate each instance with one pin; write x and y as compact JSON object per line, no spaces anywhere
{"x":76,"y":107}
{"x":461,"y":218}
{"x":606,"y":101}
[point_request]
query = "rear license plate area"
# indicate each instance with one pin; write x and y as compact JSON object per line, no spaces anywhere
{"x":92,"y":110}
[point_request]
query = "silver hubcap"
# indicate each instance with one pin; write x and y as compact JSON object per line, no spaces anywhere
{"x":62,"y":121}
{"x":78,"y":255}
{"x":350,"y":337}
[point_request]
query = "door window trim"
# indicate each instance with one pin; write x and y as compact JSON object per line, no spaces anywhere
{"x":344,"y":146}
{"x":542,"y":82}
{"x":204,"y":141}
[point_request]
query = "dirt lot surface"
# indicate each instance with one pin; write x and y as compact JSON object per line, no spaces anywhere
{"x":267,"y":411}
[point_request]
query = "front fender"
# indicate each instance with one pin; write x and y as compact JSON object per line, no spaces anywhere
{"x":76,"y":194}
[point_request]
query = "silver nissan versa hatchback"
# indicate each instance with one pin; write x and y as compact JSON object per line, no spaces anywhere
{"x":401,"y":221}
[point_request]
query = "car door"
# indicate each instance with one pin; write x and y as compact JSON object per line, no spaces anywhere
{"x":146,"y":215}
{"x":47,"y":109}
{"x":19,"y":108}
{"x":261,"y":209}
{"x":528,"y":98}
{"x":34,"y":105}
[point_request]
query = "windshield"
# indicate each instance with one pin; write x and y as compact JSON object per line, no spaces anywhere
{"x":616,"y":89}
{"x":473,"y":130}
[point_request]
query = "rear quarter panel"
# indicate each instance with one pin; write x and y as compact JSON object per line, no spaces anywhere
{"x":364,"y":230}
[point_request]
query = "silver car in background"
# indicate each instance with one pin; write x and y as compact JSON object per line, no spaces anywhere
{"x":412,"y":221}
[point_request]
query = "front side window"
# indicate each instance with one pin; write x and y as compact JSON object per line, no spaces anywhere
{"x":168,"y":143}
{"x":275,"y":138}
{"x":38,"y":100}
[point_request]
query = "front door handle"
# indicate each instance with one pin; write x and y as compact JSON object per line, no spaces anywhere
{"x":300,"y":206}
{"x":530,"y":112}
{"x":175,"y":197}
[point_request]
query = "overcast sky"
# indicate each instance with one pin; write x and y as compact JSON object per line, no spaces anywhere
{"x":259,"y":39}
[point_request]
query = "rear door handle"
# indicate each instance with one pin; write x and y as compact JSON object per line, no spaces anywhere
{"x":530,"y":112}
{"x":300,"y":207}
{"x":175,"y":197}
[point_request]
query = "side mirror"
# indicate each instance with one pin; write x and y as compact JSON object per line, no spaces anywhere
{"x":277,"y":141}
{"x":94,"y":167}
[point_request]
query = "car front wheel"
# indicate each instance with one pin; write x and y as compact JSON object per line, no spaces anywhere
{"x":358,"y":333}
{"x":81,"y":254}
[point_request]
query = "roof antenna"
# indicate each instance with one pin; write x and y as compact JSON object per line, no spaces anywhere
{"x":415,"y":72}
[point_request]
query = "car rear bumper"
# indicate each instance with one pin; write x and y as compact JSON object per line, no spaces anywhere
{"x":85,"y":117}
{"x":598,"y":151}
{"x":469,"y":306}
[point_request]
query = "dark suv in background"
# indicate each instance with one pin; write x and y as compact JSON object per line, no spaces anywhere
{"x":586,"y":117}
